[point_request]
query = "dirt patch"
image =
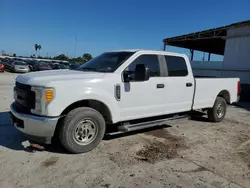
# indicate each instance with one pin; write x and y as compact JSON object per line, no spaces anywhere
{"x":50,"y":162}
{"x":244,"y":152}
{"x":243,"y":138}
{"x":159,"y":150}
{"x":161,"y":133}
{"x":199,"y":169}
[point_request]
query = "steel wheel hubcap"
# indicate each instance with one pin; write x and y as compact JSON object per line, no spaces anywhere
{"x":220,"y":111}
{"x":85,"y":132}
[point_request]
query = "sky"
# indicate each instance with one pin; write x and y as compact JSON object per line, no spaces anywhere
{"x":74,"y":27}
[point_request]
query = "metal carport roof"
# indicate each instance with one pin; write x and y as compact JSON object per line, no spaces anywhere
{"x":211,"y":40}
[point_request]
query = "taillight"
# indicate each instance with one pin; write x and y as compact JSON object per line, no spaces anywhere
{"x":238,"y":88}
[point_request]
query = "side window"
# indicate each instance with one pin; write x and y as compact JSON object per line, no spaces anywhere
{"x":176,"y":66}
{"x":150,"y":61}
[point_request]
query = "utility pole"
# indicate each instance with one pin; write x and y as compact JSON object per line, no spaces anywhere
{"x":75,"y":47}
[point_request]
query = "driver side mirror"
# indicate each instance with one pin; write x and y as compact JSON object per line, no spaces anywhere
{"x":142,"y":73}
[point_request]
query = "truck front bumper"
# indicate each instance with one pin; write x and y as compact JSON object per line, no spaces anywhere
{"x":40,"y":129}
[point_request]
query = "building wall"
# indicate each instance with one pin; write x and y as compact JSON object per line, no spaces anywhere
{"x":236,"y":62}
{"x":237,"y":49}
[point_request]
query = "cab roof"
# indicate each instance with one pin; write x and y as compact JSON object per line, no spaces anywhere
{"x":150,"y":51}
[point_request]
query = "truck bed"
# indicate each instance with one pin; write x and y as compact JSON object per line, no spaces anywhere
{"x":207,"y":89}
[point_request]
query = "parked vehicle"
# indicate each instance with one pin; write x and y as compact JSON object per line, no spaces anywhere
{"x":31,"y":64}
{"x":66,"y":65}
{"x":128,"y":90}
{"x":75,"y":66}
{"x":58,"y":66}
{"x":52,"y":64}
{"x":7,"y":63}
{"x":63,"y":66}
{"x":1,"y":67}
{"x":42,"y":66}
{"x":19,"y":66}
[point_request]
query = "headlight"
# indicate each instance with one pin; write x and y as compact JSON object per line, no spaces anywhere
{"x":43,"y":97}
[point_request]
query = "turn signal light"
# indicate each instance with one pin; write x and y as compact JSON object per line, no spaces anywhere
{"x":49,"y":95}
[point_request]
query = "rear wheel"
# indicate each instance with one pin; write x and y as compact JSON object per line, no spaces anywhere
{"x":82,"y":130}
{"x":218,"y":111}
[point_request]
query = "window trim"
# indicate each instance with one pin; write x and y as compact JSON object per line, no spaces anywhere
{"x":163,"y":64}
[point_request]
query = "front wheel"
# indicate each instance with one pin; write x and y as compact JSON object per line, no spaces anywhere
{"x":82,"y":130}
{"x":218,"y":111}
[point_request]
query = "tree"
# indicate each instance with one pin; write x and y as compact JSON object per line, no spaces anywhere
{"x":61,"y":57}
{"x":14,"y":55}
{"x":86,"y":57}
{"x":39,"y":48}
{"x":36,"y":47}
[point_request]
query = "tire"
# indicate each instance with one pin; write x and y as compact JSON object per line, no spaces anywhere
{"x":76,"y":125}
{"x":218,"y":111}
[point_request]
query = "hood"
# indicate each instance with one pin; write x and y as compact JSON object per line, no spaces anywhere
{"x":44,"y":77}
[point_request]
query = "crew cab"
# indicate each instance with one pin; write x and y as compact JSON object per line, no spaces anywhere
{"x":126,"y":90}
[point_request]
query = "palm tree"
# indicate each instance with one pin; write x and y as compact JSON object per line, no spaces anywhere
{"x":39,"y":48}
{"x":36,"y":47}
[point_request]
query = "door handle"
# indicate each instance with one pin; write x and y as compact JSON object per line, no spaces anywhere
{"x":189,"y":84}
{"x":160,"y":86}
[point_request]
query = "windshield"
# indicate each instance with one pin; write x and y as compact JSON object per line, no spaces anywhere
{"x":106,"y":62}
{"x":20,"y":63}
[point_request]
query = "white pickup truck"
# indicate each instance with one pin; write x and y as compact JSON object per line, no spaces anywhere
{"x":129,"y":90}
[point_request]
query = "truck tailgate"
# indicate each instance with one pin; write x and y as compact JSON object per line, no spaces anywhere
{"x":207,"y":89}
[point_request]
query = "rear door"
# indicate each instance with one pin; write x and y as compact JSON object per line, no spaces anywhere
{"x":179,"y":86}
{"x":143,"y":98}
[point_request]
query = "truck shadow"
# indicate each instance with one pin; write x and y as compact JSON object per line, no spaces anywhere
{"x":56,"y":147}
{"x":113,"y":135}
{"x":244,"y":105}
{"x":199,"y":118}
{"x":10,"y":137}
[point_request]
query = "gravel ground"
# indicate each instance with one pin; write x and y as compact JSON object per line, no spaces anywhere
{"x":183,"y":153}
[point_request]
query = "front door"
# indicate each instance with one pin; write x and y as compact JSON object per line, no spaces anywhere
{"x":141,"y":99}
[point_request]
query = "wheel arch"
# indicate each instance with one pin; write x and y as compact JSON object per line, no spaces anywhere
{"x":225,"y":95}
{"x":92,"y":103}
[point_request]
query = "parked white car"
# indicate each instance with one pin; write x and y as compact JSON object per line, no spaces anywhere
{"x":20,"y":66}
{"x":128,"y":90}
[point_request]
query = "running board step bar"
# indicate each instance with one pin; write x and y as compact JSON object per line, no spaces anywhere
{"x":127,"y":127}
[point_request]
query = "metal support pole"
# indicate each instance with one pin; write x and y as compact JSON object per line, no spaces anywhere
{"x":209,"y":56}
{"x":164,"y":46}
{"x":192,"y":54}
